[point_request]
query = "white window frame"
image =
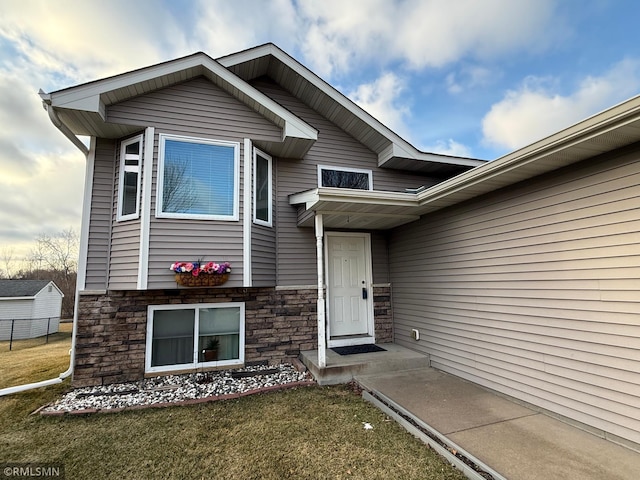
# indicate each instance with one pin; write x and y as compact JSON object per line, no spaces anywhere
{"x":129,"y":168}
{"x":344,"y":169}
{"x":258,"y":221}
{"x":196,"y":364}
{"x":163,"y":137}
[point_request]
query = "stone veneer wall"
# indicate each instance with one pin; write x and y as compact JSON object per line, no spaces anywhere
{"x":279,"y":323}
{"x":383,"y":313}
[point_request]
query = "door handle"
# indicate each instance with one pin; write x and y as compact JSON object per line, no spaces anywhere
{"x":364,"y":293}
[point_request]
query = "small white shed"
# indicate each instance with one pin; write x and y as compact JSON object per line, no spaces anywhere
{"x":29,"y":307}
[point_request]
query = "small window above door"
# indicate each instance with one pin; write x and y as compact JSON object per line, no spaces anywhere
{"x":343,"y":177}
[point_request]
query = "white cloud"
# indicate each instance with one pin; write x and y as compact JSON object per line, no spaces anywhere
{"x":449,"y":147}
{"x":381,"y":99}
{"x":83,"y":40}
{"x":339,"y":36}
{"x":535,"y":111}
{"x":222,"y":27}
{"x":47,"y":199}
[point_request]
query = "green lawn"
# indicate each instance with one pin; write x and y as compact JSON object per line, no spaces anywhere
{"x":309,"y":432}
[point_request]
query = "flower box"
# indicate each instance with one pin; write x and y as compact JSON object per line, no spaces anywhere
{"x":202,"y":280}
{"x":201,"y":274}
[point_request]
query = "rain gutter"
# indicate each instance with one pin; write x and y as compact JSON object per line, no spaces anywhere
{"x":60,"y":125}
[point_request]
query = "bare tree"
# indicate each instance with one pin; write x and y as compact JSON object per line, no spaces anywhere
{"x":7,"y":260}
{"x":55,"y":257}
{"x":177,"y":188}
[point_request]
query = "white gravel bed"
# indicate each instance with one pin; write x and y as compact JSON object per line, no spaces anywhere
{"x":177,"y":388}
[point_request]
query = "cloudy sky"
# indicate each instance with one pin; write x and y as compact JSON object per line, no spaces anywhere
{"x":463,"y":77}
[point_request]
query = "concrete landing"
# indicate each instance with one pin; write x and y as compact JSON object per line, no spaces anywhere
{"x":343,"y":368}
{"x":516,"y":442}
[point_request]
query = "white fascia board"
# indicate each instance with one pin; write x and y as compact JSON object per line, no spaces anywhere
{"x":573,"y":136}
{"x":87,"y":97}
{"x":17,"y":298}
{"x":248,"y":54}
{"x":299,"y":129}
{"x":401,"y":148}
{"x":69,"y":96}
{"x":311,"y":197}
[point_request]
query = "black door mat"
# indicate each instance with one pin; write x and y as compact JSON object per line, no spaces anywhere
{"x":354,"y":349}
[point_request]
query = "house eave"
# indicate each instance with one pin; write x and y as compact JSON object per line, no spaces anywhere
{"x":83,"y":108}
{"x":610,"y":130}
{"x":355,"y":209}
{"x":613,"y":129}
{"x":392,"y":150}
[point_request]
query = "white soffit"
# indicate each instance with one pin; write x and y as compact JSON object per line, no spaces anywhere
{"x":85,"y":105}
{"x":392,"y":150}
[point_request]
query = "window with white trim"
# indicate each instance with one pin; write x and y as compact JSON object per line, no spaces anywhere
{"x":344,"y":177}
{"x":262,"y":188}
{"x":129,"y":182}
{"x":197,"y":178}
{"x":193,"y":336}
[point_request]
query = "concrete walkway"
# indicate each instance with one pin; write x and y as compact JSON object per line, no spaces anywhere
{"x":516,"y":442}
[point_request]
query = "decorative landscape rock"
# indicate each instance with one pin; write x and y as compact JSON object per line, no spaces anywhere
{"x":177,"y":388}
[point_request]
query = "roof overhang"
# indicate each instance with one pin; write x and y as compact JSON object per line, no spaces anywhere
{"x":392,"y":150}
{"x":355,"y":209}
{"x":613,"y":129}
{"x":83,"y":109}
{"x":604,"y":132}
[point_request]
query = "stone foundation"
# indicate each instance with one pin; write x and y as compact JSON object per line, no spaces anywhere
{"x":279,"y":323}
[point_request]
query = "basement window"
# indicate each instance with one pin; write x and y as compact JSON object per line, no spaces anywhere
{"x":181,"y":337}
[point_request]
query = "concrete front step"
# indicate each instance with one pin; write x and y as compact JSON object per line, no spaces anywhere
{"x":343,"y":368}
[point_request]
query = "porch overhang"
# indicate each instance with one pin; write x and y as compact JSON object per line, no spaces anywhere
{"x":355,"y":209}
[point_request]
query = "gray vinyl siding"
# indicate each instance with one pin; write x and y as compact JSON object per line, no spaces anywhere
{"x":533,"y":291}
{"x":101,"y":215}
{"x":263,"y":246}
{"x":124,"y":252}
{"x":198,"y":109}
{"x":195,"y":108}
{"x":296,"y":247}
{"x":189,"y":240}
{"x":263,"y":254}
{"x":380,"y":257}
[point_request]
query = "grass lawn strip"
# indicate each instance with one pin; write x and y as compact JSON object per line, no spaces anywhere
{"x":308,"y":433}
{"x":314,"y":432}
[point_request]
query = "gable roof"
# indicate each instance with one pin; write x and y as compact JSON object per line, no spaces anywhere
{"x":81,"y":110}
{"x":393,"y":151}
{"x":21,"y":288}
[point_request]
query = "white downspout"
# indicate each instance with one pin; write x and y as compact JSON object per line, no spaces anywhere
{"x":322,"y":331}
{"x":89,"y":153}
{"x":66,"y":131}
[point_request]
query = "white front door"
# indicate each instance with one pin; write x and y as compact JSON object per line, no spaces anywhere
{"x":349,"y":295}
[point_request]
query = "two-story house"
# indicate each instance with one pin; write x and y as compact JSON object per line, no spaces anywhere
{"x":520,"y":274}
